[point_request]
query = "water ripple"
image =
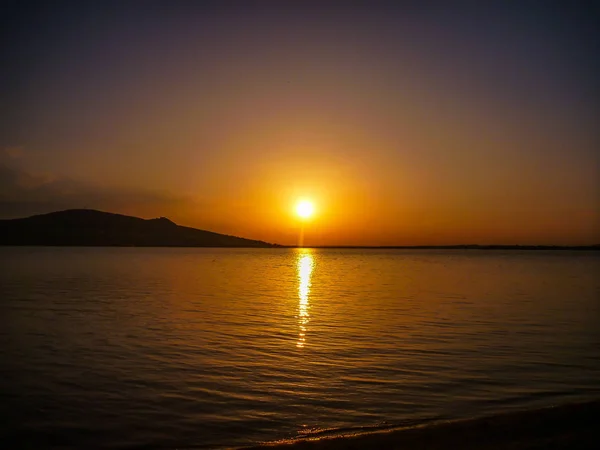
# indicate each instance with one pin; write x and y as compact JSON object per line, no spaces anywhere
{"x":124,"y":348}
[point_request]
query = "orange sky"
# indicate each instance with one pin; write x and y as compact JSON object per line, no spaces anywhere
{"x":404,"y":126}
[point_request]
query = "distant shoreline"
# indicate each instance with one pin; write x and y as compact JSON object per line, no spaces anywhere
{"x":455,"y":247}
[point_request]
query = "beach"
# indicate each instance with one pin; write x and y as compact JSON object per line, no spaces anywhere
{"x":571,"y":426}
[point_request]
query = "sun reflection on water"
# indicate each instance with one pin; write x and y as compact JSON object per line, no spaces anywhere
{"x":305,"y":267}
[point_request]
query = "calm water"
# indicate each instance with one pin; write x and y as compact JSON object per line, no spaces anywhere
{"x":132,"y":347}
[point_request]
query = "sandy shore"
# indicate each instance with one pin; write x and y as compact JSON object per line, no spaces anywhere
{"x":573,"y":426}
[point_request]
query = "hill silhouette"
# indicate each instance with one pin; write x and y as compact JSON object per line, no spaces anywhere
{"x":87,"y":227}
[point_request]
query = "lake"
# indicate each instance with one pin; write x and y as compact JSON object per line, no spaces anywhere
{"x":210,"y":348}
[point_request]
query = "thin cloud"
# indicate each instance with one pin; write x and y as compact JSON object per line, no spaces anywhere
{"x":23,"y":193}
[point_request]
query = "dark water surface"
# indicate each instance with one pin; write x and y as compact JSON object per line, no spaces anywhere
{"x":147,"y":347}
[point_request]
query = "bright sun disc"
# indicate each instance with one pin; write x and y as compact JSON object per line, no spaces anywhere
{"x":305,"y":209}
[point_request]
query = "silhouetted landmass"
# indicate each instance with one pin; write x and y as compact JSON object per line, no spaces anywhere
{"x":86,"y":227}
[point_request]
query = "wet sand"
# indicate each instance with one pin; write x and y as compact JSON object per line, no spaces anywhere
{"x":572,"y":426}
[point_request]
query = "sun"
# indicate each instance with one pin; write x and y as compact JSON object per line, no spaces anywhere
{"x":305,"y":209}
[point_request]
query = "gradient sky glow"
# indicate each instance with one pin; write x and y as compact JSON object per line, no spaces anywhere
{"x":422,"y":124}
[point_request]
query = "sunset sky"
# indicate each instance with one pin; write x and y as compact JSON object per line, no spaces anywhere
{"x":404,"y":122}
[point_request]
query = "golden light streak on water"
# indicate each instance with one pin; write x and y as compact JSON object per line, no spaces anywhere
{"x":306,"y":265}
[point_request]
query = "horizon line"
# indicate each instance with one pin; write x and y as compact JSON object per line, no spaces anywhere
{"x":344,"y":246}
{"x":454,"y":246}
